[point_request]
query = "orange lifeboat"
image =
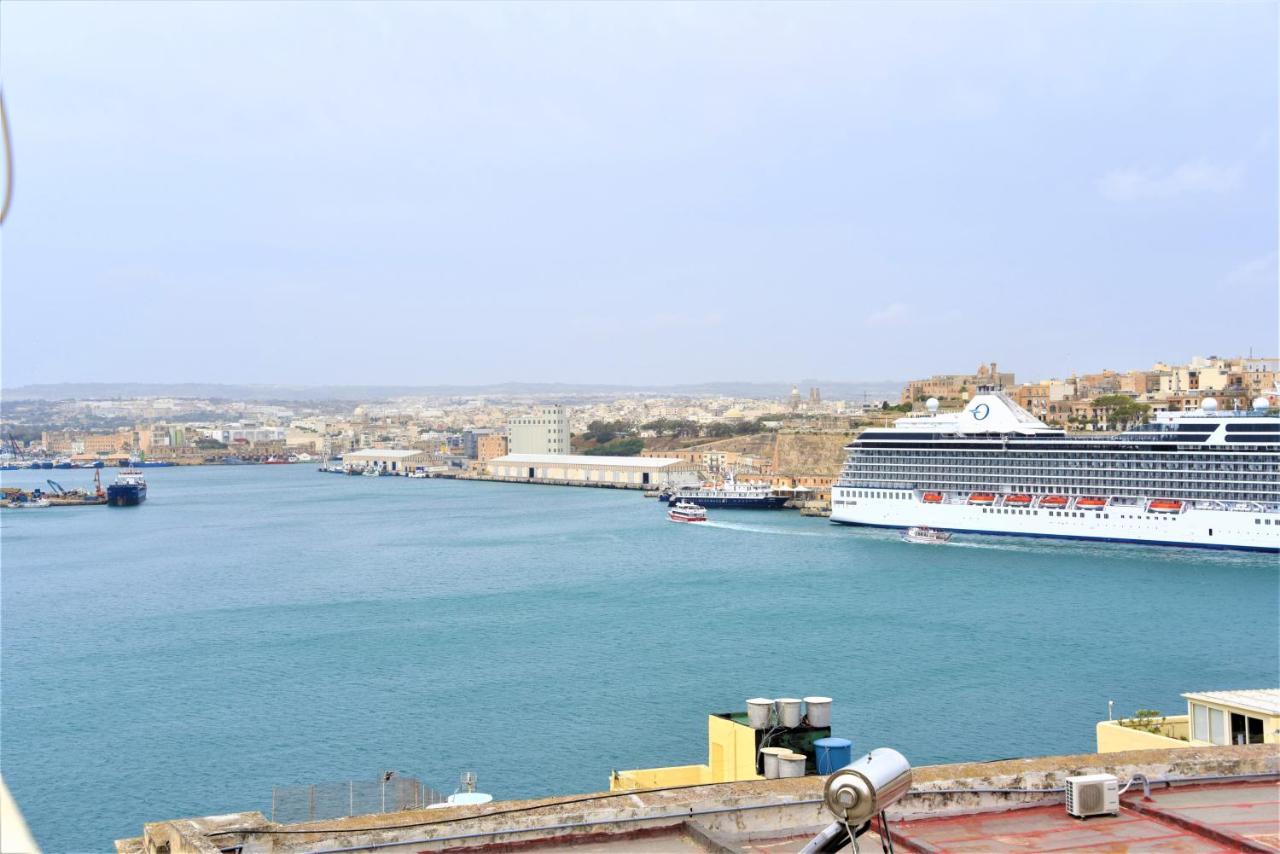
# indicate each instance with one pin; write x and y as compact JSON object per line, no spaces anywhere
{"x":1091,"y":503}
{"x":932,"y":498}
{"x":1053,"y":501}
{"x":1017,"y":500}
{"x":1165,"y":505}
{"x":981,"y":498}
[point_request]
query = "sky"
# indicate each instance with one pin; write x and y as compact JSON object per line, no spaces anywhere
{"x":429,"y":193}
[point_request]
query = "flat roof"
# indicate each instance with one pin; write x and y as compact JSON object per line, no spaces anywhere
{"x":587,"y":460}
{"x":1264,"y":700}
{"x":383,"y":452}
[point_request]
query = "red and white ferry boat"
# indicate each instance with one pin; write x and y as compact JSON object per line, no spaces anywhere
{"x":685,"y":511}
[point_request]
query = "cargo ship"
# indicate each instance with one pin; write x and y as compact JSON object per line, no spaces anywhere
{"x":1205,"y":478}
{"x":130,"y":489}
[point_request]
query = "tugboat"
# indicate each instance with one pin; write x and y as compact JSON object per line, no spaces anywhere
{"x":928,"y":536}
{"x":684,"y":511}
{"x":130,"y":489}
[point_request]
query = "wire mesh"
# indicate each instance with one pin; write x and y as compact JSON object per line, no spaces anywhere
{"x":292,"y":804}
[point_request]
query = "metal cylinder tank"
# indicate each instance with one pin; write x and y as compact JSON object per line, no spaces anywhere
{"x":867,"y":785}
{"x":759,"y":712}
{"x":791,"y":764}
{"x":788,"y":711}
{"x":818,"y":711}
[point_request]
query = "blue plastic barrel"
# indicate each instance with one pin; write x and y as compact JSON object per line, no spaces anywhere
{"x":833,"y":754}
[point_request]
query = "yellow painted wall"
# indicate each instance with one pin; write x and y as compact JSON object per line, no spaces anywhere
{"x":1113,"y":738}
{"x":731,"y":756}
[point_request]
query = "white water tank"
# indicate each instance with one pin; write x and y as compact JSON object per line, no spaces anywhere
{"x":770,"y":756}
{"x":818,"y":710}
{"x":759,"y":712}
{"x":791,"y":765}
{"x":788,"y":711}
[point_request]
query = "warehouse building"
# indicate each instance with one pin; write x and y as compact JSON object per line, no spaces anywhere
{"x":395,"y":460}
{"x":590,"y":470}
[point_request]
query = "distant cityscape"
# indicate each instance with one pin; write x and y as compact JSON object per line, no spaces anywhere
{"x":754,"y":436}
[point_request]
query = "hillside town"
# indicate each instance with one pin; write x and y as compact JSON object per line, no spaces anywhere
{"x":791,"y":442}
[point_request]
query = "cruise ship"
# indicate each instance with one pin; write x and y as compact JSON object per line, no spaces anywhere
{"x":1205,"y":478}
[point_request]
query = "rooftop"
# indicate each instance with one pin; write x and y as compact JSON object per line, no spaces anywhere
{"x":1264,"y":700}
{"x":586,"y":460}
{"x":1196,"y":799}
{"x":371,"y":453}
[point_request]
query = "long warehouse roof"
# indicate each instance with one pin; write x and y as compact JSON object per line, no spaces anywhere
{"x":587,"y":460}
{"x":383,"y":452}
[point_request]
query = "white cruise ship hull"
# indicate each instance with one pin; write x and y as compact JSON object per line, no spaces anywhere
{"x":1194,"y":527}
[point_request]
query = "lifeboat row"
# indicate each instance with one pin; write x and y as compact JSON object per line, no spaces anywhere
{"x":1052,"y":502}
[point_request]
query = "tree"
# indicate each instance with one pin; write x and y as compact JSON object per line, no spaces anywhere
{"x":1121,"y":410}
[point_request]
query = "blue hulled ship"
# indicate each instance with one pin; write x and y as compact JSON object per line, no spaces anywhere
{"x":130,"y":489}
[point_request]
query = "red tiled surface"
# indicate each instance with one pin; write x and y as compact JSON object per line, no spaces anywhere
{"x":1194,"y":819}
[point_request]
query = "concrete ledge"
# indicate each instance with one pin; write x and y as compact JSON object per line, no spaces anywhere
{"x":724,"y":812}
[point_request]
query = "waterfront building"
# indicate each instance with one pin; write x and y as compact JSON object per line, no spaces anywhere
{"x":546,"y":431}
{"x":1212,"y":718}
{"x":587,"y":470}
{"x":490,"y":446}
{"x":471,"y":441}
{"x":396,"y":460}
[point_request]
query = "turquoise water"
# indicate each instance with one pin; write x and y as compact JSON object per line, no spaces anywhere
{"x":268,"y":625}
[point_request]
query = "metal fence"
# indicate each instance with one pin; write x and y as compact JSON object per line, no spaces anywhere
{"x":291,"y":804}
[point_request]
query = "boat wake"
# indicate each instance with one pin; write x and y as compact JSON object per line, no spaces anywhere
{"x":756,"y":529}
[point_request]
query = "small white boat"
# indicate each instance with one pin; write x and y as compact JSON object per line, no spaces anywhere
{"x":921,"y":534}
{"x":30,"y":504}
{"x":685,"y":511}
{"x":372,"y":471}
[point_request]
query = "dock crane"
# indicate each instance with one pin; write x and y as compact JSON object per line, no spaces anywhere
{"x":56,"y":487}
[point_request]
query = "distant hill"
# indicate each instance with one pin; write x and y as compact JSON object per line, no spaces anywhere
{"x":831,"y":389}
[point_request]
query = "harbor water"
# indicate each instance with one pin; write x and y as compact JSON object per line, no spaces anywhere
{"x":253,"y":626}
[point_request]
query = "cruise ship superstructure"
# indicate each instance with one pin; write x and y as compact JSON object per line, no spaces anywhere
{"x":1206,"y":478}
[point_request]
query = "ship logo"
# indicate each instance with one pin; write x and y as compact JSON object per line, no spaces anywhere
{"x":980,"y":411}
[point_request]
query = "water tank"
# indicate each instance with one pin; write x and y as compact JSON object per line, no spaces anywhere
{"x":464,"y":798}
{"x":791,"y":765}
{"x":832,"y":754}
{"x":788,"y":711}
{"x":759,"y":711}
{"x":867,"y":785}
{"x":770,"y":756}
{"x":818,"y":711}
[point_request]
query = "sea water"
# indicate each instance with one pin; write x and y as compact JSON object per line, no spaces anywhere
{"x":259,"y":626}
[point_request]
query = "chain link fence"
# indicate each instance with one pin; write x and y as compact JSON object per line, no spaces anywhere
{"x":291,"y":804}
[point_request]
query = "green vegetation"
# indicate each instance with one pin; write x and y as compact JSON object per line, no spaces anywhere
{"x":207,"y":444}
{"x":901,"y":407}
{"x":602,"y":432}
{"x":1147,"y":720}
{"x":1122,"y":410}
{"x":617,"y":448}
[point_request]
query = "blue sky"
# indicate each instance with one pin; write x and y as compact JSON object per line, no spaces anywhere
{"x":634,"y":193}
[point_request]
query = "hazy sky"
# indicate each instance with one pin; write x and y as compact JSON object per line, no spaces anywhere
{"x":433,"y":193}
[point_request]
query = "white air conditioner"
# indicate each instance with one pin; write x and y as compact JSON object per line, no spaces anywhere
{"x":1093,"y":794}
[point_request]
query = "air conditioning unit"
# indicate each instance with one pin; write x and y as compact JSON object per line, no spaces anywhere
{"x":1093,"y":794}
